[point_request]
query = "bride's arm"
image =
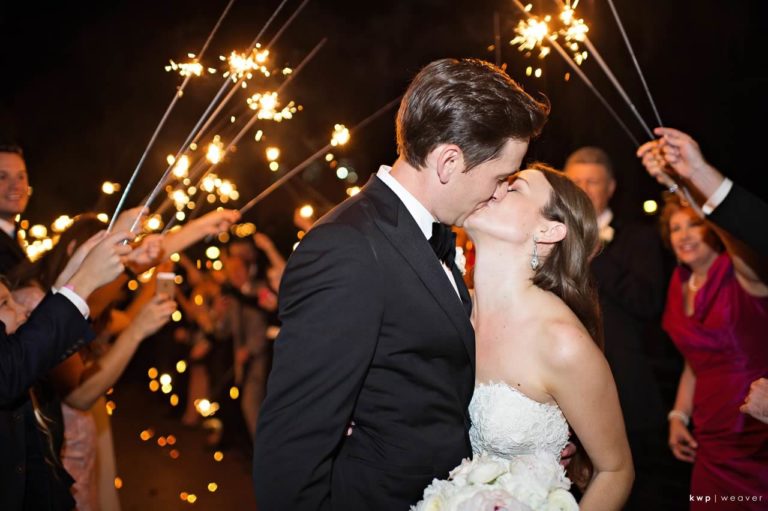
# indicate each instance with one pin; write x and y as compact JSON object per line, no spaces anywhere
{"x":581,"y":382}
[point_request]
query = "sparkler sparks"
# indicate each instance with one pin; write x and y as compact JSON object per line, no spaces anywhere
{"x":192,"y":68}
{"x":215,"y":150}
{"x":531,"y":34}
{"x":181,"y":169}
{"x":340,"y":135}
{"x":266,"y":105}
{"x":244,"y":65}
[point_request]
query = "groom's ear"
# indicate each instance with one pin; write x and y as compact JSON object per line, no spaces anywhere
{"x":552,"y":233}
{"x":448,"y":161}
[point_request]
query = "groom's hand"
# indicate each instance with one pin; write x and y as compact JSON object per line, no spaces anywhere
{"x":567,"y":454}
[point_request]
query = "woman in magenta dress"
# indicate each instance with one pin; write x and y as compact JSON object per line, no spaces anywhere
{"x":717,"y":316}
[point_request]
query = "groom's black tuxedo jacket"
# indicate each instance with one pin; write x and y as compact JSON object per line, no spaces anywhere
{"x":372,"y":333}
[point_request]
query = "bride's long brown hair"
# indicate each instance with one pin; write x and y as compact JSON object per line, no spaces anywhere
{"x":565,"y":272}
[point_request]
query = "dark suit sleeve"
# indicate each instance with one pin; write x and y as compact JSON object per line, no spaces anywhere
{"x":54,"y":330}
{"x":331,"y":314}
{"x":632,"y":273}
{"x":743,"y":215}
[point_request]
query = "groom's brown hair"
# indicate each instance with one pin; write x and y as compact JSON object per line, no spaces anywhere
{"x":467,"y":102}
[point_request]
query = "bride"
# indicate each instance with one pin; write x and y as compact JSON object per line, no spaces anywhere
{"x":540,"y":366}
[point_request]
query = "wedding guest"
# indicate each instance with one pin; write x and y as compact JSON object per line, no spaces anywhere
{"x":28,"y":349}
{"x":244,"y":321}
{"x":725,"y":203}
{"x":14,"y":195}
{"x":629,"y":271}
{"x":716,"y":312}
{"x":71,"y":393}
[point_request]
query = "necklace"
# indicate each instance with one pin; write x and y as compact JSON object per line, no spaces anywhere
{"x":695,"y":287}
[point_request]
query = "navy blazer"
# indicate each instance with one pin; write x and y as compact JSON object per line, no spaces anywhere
{"x":55,"y":330}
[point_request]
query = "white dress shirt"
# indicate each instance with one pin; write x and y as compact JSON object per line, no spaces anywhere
{"x":8,"y":227}
{"x":420,"y":214}
{"x":717,"y":196}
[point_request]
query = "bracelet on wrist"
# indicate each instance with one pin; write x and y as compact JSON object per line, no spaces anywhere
{"x":677,"y":414}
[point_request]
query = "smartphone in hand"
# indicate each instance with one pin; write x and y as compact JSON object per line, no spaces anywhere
{"x":166,"y":284}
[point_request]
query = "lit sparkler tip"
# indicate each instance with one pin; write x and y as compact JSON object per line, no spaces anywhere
{"x":340,"y":135}
{"x":530,"y":33}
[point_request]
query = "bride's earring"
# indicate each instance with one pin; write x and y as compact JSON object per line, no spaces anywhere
{"x":535,"y":258}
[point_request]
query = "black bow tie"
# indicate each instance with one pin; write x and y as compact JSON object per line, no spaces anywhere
{"x":443,"y":242}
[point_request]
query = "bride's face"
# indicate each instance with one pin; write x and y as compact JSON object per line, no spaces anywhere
{"x":517,"y":215}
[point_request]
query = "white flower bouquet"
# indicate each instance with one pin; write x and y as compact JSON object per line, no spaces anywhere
{"x":488,"y":483}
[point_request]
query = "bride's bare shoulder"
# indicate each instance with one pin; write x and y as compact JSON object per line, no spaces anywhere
{"x":568,"y":344}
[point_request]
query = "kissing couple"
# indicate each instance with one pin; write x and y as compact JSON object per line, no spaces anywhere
{"x":387,"y":373}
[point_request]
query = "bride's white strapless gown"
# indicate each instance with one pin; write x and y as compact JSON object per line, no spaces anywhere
{"x":508,"y":424}
{"x":516,"y":446}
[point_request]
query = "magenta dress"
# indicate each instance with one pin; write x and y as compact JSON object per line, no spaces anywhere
{"x":725,"y":342}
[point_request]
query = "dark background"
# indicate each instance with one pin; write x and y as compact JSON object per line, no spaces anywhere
{"x":83,"y":87}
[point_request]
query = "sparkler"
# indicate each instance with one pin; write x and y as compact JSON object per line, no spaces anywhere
{"x":197,"y":129}
{"x":583,"y":76}
{"x":581,"y":36}
{"x":634,"y":60}
{"x":531,"y":33}
{"x":271,"y":152}
{"x":159,"y":127}
{"x":301,"y":166}
{"x":240,"y":82}
{"x":296,"y":72}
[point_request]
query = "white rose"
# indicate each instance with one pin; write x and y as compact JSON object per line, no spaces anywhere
{"x":561,"y":500}
{"x":486,"y":472}
{"x":486,"y":500}
{"x":459,"y":474}
{"x":433,"y":503}
{"x":546,"y":470}
{"x":524,"y":488}
{"x":435,"y":496}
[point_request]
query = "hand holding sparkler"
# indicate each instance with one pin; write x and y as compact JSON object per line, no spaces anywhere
{"x":128,"y":217}
{"x":147,"y":254}
{"x":677,"y":150}
{"x":217,"y":221}
{"x":209,"y":224}
{"x":675,"y":155}
{"x":97,"y":262}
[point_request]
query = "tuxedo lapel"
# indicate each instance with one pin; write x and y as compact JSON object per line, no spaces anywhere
{"x":466,"y":300}
{"x":399,"y":227}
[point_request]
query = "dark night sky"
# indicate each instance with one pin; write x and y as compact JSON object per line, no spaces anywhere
{"x":84,"y":86}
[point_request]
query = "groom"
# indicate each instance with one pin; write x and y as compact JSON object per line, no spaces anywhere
{"x":375,"y":327}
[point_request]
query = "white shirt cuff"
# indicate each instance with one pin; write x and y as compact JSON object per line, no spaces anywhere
{"x":76,"y":300}
{"x":717,"y":197}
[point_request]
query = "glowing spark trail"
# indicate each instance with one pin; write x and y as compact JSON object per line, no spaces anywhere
{"x":159,"y":127}
{"x":583,"y":76}
{"x":291,"y":173}
{"x":159,"y":186}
